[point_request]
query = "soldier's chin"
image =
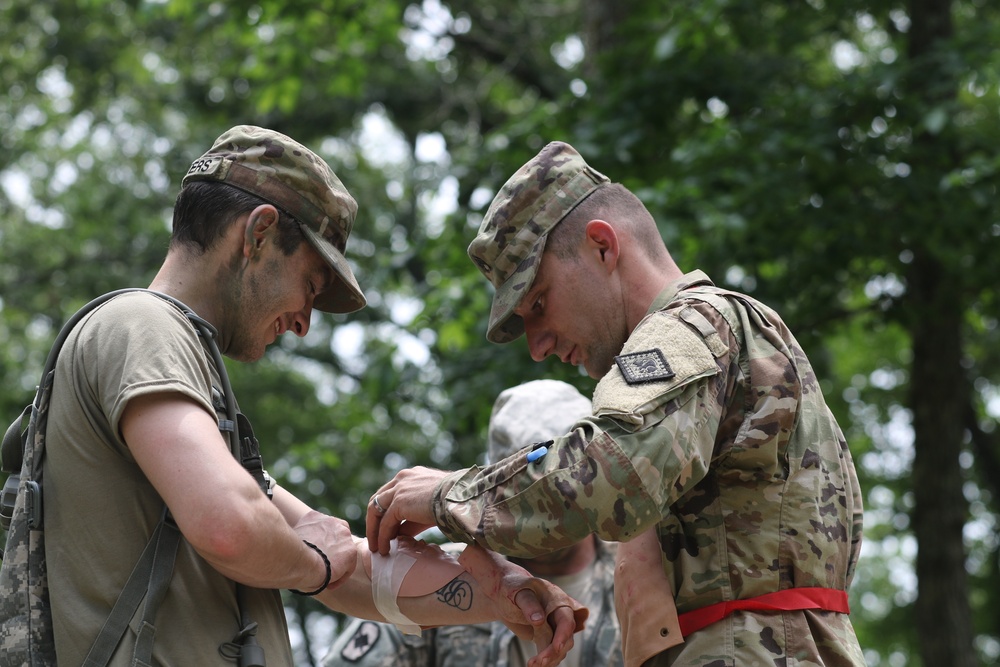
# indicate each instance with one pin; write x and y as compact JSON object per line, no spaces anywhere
{"x":596,"y":371}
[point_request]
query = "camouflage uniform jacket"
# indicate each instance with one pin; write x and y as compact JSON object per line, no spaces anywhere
{"x":727,"y":446}
{"x":370,"y":644}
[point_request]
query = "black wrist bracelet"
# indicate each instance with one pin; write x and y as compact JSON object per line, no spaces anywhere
{"x":329,"y":571}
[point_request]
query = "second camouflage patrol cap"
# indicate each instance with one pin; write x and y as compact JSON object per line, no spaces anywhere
{"x":512,"y":236}
{"x":532,"y":412}
{"x":285,"y":173}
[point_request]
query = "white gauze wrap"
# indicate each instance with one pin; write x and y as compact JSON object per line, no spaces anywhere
{"x":388,"y":573}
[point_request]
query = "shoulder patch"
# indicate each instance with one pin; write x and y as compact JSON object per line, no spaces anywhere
{"x":661,"y":357}
{"x":361,"y":642}
{"x":644,"y":366}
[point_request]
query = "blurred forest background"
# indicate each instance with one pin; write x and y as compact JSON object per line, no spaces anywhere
{"x":838,"y":159}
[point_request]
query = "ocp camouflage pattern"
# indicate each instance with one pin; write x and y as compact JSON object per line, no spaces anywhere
{"x":285,"y":173}
{"x":26,"y":635}
{"x":512,"y":235}
{"x":737,"y":461}
{"x":370,"y":644}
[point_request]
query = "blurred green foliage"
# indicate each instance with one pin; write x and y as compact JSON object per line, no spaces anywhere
{"x":835,"y":158}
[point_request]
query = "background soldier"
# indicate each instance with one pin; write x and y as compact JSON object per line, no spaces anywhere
{"x":533,"y":412}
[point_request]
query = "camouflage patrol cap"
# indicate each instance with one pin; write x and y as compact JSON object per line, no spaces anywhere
{"x":285,"y":173}
{"x":512,"y":236}
{"x":533,"y":412}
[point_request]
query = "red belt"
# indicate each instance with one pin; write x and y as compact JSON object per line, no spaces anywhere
{"x":791,"y":599}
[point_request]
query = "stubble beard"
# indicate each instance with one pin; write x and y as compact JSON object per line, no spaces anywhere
{"x":601,"y":355}
{"x":245,"y":313}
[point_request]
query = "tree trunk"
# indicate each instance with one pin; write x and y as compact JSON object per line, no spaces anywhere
{"x":937,"y":399}
{"x":938,"y":390}
{"x":601,"y":20}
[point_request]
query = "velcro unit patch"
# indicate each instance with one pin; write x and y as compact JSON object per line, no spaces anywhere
{"x":644,"y":366}
{"x":363,"y":641}
{"x":208,"y":165}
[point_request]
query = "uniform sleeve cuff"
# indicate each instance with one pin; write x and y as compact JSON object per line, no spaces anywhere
{"x":449,"y":525}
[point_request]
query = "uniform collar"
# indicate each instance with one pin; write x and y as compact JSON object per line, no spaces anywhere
{"x":670,"y":292}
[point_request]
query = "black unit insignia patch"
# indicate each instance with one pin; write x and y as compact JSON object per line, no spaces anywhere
{"x":364,"y":640}
{"x":645,"y":366}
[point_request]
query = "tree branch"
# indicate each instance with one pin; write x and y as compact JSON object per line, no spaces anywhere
{"x":508,"y":60}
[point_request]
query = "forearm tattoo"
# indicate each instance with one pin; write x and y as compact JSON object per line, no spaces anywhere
{"x":456,"y":593}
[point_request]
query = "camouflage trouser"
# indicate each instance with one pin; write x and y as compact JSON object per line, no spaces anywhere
{"x":659,"y":660}
{"x":807,"y":638}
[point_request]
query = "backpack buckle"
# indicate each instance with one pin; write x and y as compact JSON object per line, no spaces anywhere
{"x":32,"y":502}
{"x":7,"y":499}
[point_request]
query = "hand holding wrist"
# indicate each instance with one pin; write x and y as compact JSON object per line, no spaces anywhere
{"x":503,"y":581}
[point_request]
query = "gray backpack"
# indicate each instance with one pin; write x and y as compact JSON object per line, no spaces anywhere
{"x":26,"y":636}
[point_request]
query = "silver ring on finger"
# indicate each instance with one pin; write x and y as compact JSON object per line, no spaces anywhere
{"x":378,"y":506}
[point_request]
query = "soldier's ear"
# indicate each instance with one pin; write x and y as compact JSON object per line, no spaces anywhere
{"x":601,"y":240}
{"x":261,"y":224}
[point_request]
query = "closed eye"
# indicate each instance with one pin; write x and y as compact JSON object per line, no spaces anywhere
{"x":319,"y":282}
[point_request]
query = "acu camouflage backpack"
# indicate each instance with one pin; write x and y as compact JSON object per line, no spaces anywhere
{"x":26,"y":636}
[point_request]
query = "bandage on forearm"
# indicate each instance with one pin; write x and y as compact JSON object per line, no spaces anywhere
{"x":388,"y":573}
{"x":412,"y":569}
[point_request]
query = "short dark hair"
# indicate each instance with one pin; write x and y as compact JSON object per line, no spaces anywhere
{"x":614,"y":203}
{"x":204,"y":211}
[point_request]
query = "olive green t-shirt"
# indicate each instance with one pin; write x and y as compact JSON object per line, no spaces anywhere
{"x":99,"y":508}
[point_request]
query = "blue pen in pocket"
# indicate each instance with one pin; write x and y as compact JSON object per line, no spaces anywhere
{"x":538,"y":452}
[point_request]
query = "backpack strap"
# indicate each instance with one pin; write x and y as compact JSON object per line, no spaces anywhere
{"x":12,"y":450}
{"x":15,"y":440}
{"x":150,"y":578}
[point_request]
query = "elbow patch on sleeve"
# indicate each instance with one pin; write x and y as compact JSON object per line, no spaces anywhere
{"x":619,"y":486}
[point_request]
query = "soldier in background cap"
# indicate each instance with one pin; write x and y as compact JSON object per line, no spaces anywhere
{"x":260,"y":230}
{"x":711,"y":454}
{"x":533,"y":412}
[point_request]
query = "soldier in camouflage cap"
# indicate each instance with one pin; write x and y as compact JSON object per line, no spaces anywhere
{"x":533,"y":412}
{"x":140,"y":419}
{"x":711,"y":454}
{"x":285,"y":173}
{"x":512,"y":237}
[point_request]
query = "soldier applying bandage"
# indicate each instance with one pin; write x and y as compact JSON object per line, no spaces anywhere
{"x":710,"y":453}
